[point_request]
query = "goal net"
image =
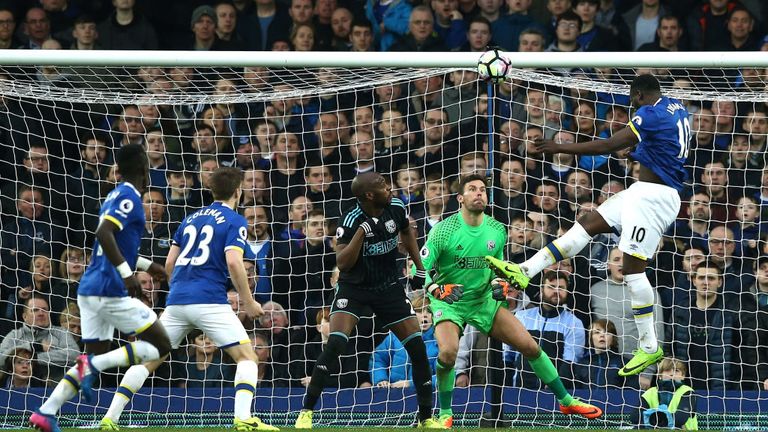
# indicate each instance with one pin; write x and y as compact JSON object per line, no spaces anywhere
{"x":301,"y":135}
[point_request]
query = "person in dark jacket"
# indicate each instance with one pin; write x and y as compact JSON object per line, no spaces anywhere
{"x":421,"y":34}
{"x":600,"y":367}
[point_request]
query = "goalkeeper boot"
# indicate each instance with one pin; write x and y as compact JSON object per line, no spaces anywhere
{"x":44,"y":422}
{"x":508,"y":271}
{"x":640,"y":361}
{"x":446,"y":420}
{"x":583,"y":409}
{"x":107,"y":424}
{"x":304,"y":421}
{"x":431,"y":423}
{"x":87,"y":375}
{"x":252,"y":424}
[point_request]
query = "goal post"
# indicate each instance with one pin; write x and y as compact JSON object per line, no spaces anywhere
{"x":301,"y":126}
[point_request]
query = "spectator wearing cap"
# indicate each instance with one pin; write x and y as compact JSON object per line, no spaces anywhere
{"x":266,"y":25}
{"x":390,"y":20}
{"x":594,"y":37}
{"x":740,"y":26}
{"x":203,"y":23}
{"x":7,"y":29}
{"x":421,"y":34}
{"x":642,"y":22}
{"x":668,"y":36}
{"x":127,"y":30}
{"x":226,"y":24}
{"x":708,"y":24}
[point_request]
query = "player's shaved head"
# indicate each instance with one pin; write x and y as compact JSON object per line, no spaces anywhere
{"x":131,"y":160}
{"x":645,"y":83}
{"x":224,"y":182}
{"x":364,"y":183}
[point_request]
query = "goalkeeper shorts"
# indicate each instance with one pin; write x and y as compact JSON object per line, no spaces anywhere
{"x":479,"y":313}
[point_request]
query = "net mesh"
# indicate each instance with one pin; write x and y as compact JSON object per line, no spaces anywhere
{"x":301,"y":136}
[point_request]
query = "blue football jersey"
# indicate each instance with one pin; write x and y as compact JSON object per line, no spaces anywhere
{"x":200,"y":274}
{"x":664,"y":133}
{"x":123,"y":207}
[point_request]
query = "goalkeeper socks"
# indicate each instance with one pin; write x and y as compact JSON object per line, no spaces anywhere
{"x":246,"y":375}
{"x":422,"y":375}
{"x":571,"y":243}
{"x":132,"y":381}
{"x":446,"y":379}
{"x":641,"y":293}
{"x":134,"y":353}
{"x":544,"y":369}
{"x":65,"y":390}
{"x":337,"y":343}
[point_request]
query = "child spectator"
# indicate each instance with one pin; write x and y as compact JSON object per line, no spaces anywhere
{"x":203,"y":365}
{"x":600,"y":367}
{"x":409,"y":186}
{"x":747,"y":230}
{"x":18,"y":370}
{"x":671,"y":403}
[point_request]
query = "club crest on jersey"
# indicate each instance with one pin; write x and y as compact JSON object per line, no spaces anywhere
{"x":390,"y":226}
{"x":491,"y":245}
{"x":341,"y":303}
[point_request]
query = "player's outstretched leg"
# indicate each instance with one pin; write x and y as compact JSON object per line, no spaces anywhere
{"x":559,"y":249}
{"x":641,"y":293}
{"x":508,"y":329}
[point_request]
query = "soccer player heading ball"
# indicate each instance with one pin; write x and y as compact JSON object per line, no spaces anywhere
{"x":661,"y":133}
{"x":464,"y":292}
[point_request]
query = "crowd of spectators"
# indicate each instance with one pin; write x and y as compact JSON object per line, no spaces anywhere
{"x":299,"y":155}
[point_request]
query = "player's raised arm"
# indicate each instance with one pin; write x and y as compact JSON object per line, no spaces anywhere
{"x":621,"y":139}
{"x":105,"y":234}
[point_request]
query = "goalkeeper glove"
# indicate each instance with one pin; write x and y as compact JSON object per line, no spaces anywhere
{"x":369,"y":226}
{"x":449,"y":293}
{"x":501,"y":289}
{"x":418,"y":279}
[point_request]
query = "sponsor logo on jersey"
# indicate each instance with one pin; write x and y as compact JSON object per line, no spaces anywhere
{"x":380,"y":248}
{"x":390,"y":226}
{"x":491,"y":245}
{"x":476,"y":262}
{"x":341,"y":303}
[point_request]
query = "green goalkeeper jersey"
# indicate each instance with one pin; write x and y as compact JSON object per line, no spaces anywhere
{"x":455,"y":251}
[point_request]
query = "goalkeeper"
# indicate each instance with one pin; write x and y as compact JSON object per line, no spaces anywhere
{"x":463,"y":293}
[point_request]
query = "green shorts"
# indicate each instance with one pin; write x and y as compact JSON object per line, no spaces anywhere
{"x":478,"y":312}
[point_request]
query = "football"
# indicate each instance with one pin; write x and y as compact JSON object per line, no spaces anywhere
{"x":493,"y":66}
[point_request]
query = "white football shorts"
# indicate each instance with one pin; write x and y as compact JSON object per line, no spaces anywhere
{"x":100,"y":316}
{"x":217,"y":321}
{"x":641,"y":214}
